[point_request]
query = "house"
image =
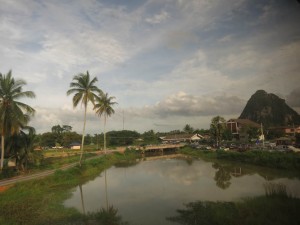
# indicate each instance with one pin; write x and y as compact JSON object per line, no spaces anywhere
{"x":238,"y":127}
{"x":283,"y":141}
{"x":75,"y":145}
{"x":176,"y":138}
{"x":286,"y":130}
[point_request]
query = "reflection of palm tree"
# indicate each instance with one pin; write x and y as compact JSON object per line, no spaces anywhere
{"x":13,"y":113}
{"x":106,"y":196}
{"x":84,"y":90}
{"x":222,"y":177}
{"x":82,"y":199}
{"x":103,"y":106}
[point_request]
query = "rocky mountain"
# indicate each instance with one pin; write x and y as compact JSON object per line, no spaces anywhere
{"x":269,"y":109}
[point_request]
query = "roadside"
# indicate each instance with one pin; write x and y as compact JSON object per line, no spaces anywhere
{"x":37,"y":175}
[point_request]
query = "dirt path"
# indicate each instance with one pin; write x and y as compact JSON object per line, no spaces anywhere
{"x":42,"y":174}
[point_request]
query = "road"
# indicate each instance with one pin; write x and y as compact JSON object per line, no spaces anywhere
{"x":14,"y":180}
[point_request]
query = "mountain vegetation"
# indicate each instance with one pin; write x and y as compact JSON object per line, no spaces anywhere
{"x":270,"y":110}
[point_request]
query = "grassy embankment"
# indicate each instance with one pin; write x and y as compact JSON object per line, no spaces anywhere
{"x":278,"y":160}
{"x":40,"y":201}
{"x":275,"y":208}
{"x":47,"y":159}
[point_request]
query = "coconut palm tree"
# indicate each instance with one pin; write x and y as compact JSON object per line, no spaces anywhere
{"x":84,"y":90}
{"x":104,"y":106}
{"x":13,"y":113}
{"x":217,"y":128}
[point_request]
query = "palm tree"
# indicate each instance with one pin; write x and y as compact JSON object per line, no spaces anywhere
{"x":103,"y":106}
{"x":84,"y":91}
{"x":217,"y":128}
{"x":13,"y":114}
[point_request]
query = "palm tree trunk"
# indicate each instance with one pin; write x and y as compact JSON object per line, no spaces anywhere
{"x":104,"y":134}
{"x":2,"y":151}
{"x":83,"y":133}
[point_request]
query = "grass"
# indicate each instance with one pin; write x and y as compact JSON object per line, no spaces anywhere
{"x":276,"y":208}
{"x":278,"y":160}
{"x":40,"y":201}
{"x":52,"y":160}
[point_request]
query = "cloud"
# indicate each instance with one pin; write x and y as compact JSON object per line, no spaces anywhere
{"x":158,"y":18}
{"x":183,"y":104}
{"x":293,"y":99}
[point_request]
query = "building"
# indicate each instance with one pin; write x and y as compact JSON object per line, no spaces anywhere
{"x":75,"y":146}
{"x":286,"y":130}
{"x":238,"y":128}
{"x":176,"y":138}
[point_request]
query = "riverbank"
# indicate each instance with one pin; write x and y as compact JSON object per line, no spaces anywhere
{"x":40,"y":201}
{"x":278,"y":160}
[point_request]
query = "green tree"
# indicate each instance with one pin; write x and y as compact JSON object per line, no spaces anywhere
{"x":150,"y":137}
{"x":21,"y":146}
{"x":188,"y":129}
{"x":13,"y":114}
{"x":57,"y":130}
{"x":70,"y":137}
{"x":88,"y":139}
{"x":104,"y":106}
{"x":121,"y":138}
{"x":217,"y":128}
{"x":66,"y":128}
{"x":85,"y":91}
{"x":48,"y":139}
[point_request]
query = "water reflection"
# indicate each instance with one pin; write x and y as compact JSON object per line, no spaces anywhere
{"x":153,"y":189}
{"x":222,"y":176}
{"x":107,"y":216}
{"x":276,"y":208}
{"x":82,"y":199}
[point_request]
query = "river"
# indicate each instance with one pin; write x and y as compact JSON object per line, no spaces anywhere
{"x":150,"y":191}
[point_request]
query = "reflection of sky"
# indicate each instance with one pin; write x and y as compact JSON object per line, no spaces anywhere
{"x":151,"y":191}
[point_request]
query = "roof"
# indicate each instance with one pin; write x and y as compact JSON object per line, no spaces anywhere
{"x":182,"y":136}
{"x":75,"y":144}
{"x":245,"y":122}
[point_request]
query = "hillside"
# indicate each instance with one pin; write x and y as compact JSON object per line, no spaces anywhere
{"x":269,"y":109}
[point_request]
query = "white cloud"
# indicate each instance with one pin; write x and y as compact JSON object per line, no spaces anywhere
{"x":191,"y":61}
{"x":158,"y":18}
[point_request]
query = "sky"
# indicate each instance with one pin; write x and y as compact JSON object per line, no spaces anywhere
{"x":168,"y":63}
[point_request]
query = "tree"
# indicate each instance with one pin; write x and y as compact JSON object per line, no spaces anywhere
{"x":121,"y":138}
{"x":57,"y":131}
{"x":66,"y":128}
{"x":104,"y":106}
{"x":13,"y":114}
{"x":217,"y":128}
{"x":85,"y":91}
{"x":150,"y":137}
{"x":48,"y":139}
{"x":70,"y":137}
{"x":21,"y":146}
{"x":188,"y":129}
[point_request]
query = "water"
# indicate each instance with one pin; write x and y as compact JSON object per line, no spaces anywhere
{"x":152,"y":190}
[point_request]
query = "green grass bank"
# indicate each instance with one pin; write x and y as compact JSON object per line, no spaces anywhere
{"x":40,"y":202}
{"x":278,"y":160}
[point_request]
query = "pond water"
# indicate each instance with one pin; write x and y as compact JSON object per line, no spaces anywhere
{"x":152,"y":190}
